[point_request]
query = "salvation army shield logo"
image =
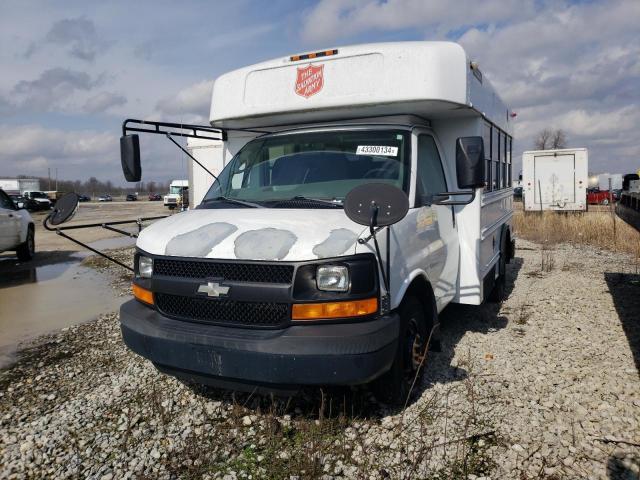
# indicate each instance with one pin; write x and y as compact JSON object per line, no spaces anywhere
{"x":309,"y":80}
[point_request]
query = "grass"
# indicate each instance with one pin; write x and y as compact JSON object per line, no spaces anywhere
{"x":599,"y":229}
{"x":340,"y":433}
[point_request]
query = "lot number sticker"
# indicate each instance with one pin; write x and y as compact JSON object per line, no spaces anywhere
{"x":377,"y":150}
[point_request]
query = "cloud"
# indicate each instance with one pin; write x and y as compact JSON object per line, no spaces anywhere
{"x":193,"y":101}
{"x":51,"y":89}
{"x":77,"y":34}
{"x":331,"y":19}
{"x":27,"y":142}
{"x":30,"y":149}
{"x":103,"y":101}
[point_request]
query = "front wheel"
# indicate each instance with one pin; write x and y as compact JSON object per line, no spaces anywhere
{"x":26,"y":250}
{"x":406,"y":371}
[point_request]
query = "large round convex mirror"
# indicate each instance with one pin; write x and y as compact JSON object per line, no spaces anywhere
{"x":64,"y":210}
{"x":361,"y":202}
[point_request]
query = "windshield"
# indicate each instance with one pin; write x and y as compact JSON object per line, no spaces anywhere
{"x":173,"y":190}
{"x":38,"y":195}
{"x":315,"y":165}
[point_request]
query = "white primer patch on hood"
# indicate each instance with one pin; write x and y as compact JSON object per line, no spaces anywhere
{"x":294,"y":233}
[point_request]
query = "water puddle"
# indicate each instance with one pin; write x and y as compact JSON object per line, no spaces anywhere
{"x":37,"y":300}
{"x":114,"y":242}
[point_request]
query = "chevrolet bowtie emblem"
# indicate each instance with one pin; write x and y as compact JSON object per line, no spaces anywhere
{"x":213,"y":289}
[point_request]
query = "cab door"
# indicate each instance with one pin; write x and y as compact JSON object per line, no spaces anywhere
{"x":436,"y":231}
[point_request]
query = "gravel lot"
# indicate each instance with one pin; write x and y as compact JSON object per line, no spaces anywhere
{"x":545,"y":385}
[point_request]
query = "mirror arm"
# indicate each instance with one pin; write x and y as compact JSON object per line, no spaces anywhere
{"x":373,"y":222}
{"x":59,"y":231}
{"x":169,"y":136}
{"x":365,"y":240}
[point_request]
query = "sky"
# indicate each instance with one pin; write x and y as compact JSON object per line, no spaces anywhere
{"x":72,"y":71}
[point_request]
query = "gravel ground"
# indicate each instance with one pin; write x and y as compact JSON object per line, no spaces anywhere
{"x":545,"y":385}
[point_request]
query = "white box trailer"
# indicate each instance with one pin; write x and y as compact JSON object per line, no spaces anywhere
{"x":555,"y":179}
{"x":210,"y":153}
{"x":611,"y":181}
{"x":19,"y":185}
{"x":270,"y":281}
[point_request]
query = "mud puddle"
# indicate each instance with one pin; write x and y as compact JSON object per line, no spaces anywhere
{"x":114,"y":242}
{"x":39,"y":299}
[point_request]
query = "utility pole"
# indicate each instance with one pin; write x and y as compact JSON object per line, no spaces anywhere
{"x":49,"y":175}
{"x":56,"y":179}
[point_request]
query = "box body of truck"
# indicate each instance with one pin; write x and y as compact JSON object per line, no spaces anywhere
{"x":555,"y":180}
{"x":235,"y":292}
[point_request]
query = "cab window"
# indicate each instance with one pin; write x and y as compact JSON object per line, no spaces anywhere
{"x":430,"y":176}
{"x":6,"y":202}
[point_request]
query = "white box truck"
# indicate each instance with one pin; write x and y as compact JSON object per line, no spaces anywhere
{"x":555,"y":180}
{"x":358,"y":191}
{"x":178,"y":192}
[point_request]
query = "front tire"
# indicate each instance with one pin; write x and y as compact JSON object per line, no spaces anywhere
{"x":27,"y":250}
{"x":394,"y":387}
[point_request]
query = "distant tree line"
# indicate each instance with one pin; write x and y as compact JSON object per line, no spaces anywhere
{"x":93,"y":187}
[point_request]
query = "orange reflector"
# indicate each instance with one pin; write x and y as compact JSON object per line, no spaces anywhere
{"x":143,"y":294}
{"x":315,"y":311}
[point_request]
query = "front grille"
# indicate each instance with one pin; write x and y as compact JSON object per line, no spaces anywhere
{"x":234,"y":272}
{"x":225,"y":312}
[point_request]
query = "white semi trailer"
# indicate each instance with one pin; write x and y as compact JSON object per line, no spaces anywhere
{"x":555,"y":180}
{"x":359,"y":191}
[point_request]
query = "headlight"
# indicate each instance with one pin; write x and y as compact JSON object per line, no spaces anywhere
{"x":145,"y":267}
{"x":332,"y":278}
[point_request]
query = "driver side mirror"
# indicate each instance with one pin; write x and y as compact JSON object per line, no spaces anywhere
{"x":130,"y":157}
{"x":470,"y":162}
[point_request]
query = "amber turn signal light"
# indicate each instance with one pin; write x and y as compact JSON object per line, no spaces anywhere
{"x":318,"y":311}
{"x":143,"y":294}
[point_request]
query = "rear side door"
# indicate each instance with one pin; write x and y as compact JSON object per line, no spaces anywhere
{"x":554,"y":177}
{"x":436,"y":230}
{"x":9,"y":225}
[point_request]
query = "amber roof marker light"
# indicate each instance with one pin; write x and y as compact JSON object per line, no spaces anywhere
{"x":309,"y":56}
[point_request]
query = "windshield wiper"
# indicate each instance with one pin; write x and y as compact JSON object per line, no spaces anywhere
{"x":233,"y":200}
{"x":333,"y":203}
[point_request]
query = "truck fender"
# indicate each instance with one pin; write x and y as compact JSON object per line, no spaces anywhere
{"x":417,"y":284}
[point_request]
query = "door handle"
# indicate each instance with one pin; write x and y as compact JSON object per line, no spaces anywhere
{"x":11,"y":215}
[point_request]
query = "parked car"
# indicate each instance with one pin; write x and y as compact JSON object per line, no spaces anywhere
{"x":84,"y":198}
{"x":517,"y":193}
{"x":617,"y":194}
{"x":19,"y":201}
{"x":131,"y":197}
{"x":595,"y":196}
{"x":154,"y":197}
{"x":40,"y":200}
{"x":17,"y":230}
{"x":105,"y":198}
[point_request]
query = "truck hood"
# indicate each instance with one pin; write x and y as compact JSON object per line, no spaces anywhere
{"x":253,"y":234}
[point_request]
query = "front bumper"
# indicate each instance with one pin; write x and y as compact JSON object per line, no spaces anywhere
{"x":243,"y":359}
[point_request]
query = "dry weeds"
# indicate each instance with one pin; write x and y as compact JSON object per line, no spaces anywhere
{"x":598,"y":229}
